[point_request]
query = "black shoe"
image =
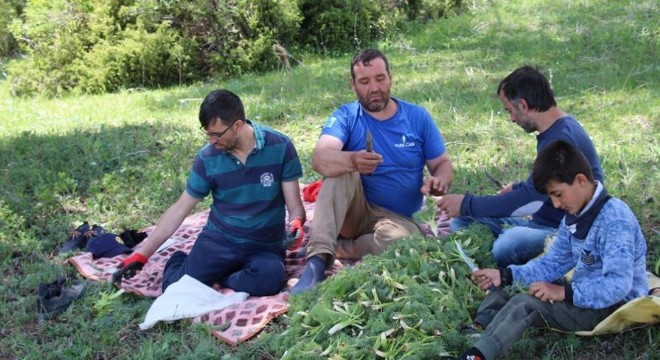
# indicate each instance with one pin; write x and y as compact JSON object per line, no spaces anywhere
{"x":95,"y":231}
{"x":55,"y":298}
{"x":77,"y":240}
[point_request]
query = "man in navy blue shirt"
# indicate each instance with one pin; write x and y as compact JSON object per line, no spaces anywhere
{"x":520,"y":217}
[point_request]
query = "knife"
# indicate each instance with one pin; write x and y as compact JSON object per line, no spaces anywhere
{"x":494,"y":181}
{"x":466,"y":259}
{"x":469,"y":262}
{"x":370,"y":142}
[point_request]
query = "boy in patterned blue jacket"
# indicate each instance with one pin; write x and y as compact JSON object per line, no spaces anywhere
{"x":599,"y":237}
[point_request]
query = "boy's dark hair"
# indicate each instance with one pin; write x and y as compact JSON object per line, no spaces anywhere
{"x":365,"y":56}
{"x":223,"y":105}
{"x":528,"y":83}
{"x":560,"y":162}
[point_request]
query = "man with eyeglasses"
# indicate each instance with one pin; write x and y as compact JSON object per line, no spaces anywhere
{"x":252,"y":173}
{"x":519,"y":217}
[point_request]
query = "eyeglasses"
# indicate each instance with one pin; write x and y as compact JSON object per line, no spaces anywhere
{"x":216,"y":135}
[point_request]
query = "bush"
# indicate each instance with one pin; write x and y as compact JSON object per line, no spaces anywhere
{"x":140,"y":58}
{"x":245,"y":34}
{"x":432,"y":9}
{"x":92,"y":47}
{"x":10,"y":10}
{"x":339,"y":25}
{"x":53,"y":36}
{"x":333,"y":26}
{"x":87,"y":46}
{"x":234,"y":37}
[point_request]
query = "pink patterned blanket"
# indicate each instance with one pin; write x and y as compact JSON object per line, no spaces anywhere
{"x":233,"y":324}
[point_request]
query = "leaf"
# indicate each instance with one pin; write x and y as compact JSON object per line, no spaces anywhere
{"x":338,"y":326}
{"x":381,"y":353}
{"x":104,"y":305}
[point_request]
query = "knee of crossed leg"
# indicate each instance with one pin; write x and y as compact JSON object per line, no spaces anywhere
{"x":504,"y":252}
{"x":269,"y":279}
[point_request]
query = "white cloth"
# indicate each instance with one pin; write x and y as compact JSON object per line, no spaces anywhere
{"x":188,"y":298}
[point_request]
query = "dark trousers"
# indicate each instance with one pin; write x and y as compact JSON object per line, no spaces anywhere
{"x":505,"y":319}
{"x":257,"y":269}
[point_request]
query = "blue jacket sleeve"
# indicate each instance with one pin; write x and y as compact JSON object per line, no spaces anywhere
{"x":522,"y":200}
{"x":554,"y":264}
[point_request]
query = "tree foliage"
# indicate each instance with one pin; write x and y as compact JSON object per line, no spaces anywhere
{"x":335,"y":25}
{"x":10,"y":10}
{"x":87,"y":46}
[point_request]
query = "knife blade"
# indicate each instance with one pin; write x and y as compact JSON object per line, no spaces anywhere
{"x":494,"y":181}
{"x":469,"y":262}
{"x":370,"y":141}
{"x":466,"y":259}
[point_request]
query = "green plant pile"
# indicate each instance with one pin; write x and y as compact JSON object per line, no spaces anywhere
{"x":409,"y":302}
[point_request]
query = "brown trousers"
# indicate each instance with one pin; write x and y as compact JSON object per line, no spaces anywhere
{"x":342,"y":210}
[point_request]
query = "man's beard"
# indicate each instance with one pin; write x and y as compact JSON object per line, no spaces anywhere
{"x":375,"y":107}
{"x":526,"y":123}
{"x":227,"y":147}
{"x":529,"y":127}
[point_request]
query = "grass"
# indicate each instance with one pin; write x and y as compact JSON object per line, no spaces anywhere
{"x":120,"y":159}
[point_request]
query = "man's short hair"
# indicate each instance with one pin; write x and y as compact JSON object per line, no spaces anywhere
{"x":365,"y":57}
{"x":222,"y":105}
{"x":528,"y":83}
{"x":560,"y":162}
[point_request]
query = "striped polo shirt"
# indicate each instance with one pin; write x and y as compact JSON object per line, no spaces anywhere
{"x":248,"y":203}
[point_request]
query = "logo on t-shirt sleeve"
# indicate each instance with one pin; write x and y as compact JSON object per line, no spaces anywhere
{"x":330,"y":122}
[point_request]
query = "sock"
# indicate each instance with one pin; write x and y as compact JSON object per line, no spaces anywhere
{"x":471,"y":354}
{"x":313,"y":274}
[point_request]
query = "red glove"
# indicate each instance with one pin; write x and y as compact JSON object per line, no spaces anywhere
{"x":311,"y":191}
{"x":295,"y":234}
{"x":129,"y":267}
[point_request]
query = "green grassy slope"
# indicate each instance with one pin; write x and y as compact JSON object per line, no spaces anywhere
{"x":121,"y":159}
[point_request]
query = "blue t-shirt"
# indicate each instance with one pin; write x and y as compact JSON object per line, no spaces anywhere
{"x":406,"y":141}
{"x":248,"y":203}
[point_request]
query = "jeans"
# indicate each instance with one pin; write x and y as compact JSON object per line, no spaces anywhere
{"x":505,"y":319}
{"x":517,"y":240}
{"x":257,"y":269}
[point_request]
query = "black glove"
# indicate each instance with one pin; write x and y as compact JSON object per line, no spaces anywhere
{"x":132,"y":237}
